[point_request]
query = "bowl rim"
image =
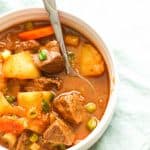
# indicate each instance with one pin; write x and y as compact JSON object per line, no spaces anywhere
{"x":113,"y":77}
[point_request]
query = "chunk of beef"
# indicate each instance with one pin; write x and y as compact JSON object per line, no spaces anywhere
{"x":3,"y":45}
{"x":19,"y":45}
{"x":23,"y":139}
{"x":13,"y":87}
{"x":41,"y":84}
{"x":53,"y":64}
{"x":6,"y":42}
{"x":69,"y":106}
{"x":59,"y":133}
{"x":52,"y":45}
{"x":26,"y":45}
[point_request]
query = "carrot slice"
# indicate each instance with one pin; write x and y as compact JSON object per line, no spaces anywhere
{"x":10,"y":126}
{"x":36,"y":33}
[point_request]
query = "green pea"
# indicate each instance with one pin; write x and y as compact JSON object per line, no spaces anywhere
{"x":45,"y":106}
{"x":10,"y":99}
{"x":34,"y":138}
{"x":51,"y":97}
{"x":90,"y":107}
{"x":42,"y":55}
{"x":33,"y":113}
{"x":92,"y":123}
{"x":71,"y":57}
{"x":28,"y":25}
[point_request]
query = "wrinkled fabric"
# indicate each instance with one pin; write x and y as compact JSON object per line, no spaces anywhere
{"x":124,"y":25}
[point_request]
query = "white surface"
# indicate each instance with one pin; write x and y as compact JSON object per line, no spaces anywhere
{"x":125,"y":27}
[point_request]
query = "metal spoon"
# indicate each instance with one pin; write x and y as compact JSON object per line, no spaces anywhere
{"x":50,"y":6}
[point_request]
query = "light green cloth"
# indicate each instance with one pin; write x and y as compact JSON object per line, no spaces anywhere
{"x":125,"y":28}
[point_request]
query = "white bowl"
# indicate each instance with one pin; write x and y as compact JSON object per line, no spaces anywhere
{"x":20,"y":16}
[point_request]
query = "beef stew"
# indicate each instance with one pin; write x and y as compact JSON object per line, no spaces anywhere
{"x":40,"y":106}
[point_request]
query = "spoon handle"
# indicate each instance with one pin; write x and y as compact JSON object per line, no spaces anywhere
{"x":50,"y":6}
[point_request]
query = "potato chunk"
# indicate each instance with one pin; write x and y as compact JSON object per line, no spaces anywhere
{"x":2,"y":79}
{"x":20,"y":66}
{"x":28,"y":100}
{"x":32,"y":102}
{"x":91,"y":62}
{"x":5,"y":107}
{"x":72,"y":40}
